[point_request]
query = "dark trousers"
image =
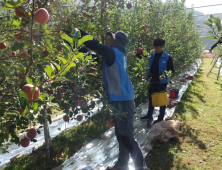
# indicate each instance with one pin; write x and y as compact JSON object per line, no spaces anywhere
{"x":123,"y":115}
{"x":152,"y":89}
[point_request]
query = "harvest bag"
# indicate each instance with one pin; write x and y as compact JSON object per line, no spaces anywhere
{"x":160,"y":99}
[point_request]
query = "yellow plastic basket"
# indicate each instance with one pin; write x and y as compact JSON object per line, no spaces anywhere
{"x":160,"y":99}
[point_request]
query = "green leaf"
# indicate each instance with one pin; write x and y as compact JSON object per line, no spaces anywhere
{"x":72,"y":64}
{"x":16,"y":23}
{"x":35,"y":106}
{"x":152,"y":50}
{"x":84,"y":39}
{"x":145,"y":52}
{"x":64,"y":61}
{"x":49,"y":70}
{"x":23,"y":98}
{"x":67,"y":38}
{"x":10,"y":4}
{"x":2,"y":111}
{"x":3,"y":150}
{"x":66,"y":49}
{"x":44,"y":27}
{"x":89,"y":57}
{"x":75,"y":34}
{"x":207,"y":23}
{"x":77,"y":56}
{"x":51,"y":37}
{"x":41,"y":119}
{"x":210,"y":32}
{"x":57,"y":66}
{"x":18,"y":46}
{"x":51,"y":98}
{"x":12,"y":112}
{"x":210,"y":37}
{"x":211,"y":20}
{"x":48,"y":43}
{"x":28,"y":80}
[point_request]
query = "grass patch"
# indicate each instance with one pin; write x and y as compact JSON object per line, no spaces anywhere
{"x":65,"y":145}
{"x":200,"y":143}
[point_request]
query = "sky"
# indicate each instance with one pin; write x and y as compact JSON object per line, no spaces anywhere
{"x":205,"y":10}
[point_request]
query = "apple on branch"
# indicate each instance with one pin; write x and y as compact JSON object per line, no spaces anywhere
{"x":31,"y":96}
{"x":2,"y":46}
{"x":129,"y":5}
{"x":24,"y":142}
{"x":41,"y":15}
{"x":19,"y":11}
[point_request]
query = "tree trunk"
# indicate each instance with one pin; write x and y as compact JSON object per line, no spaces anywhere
{"x":48,"y":142}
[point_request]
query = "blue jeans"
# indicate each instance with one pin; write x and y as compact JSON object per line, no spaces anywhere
{"x":123,"y":115}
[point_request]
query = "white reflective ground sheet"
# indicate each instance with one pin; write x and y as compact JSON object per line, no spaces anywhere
{"x":103,"y":152}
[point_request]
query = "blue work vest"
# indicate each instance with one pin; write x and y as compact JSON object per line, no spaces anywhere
{"x":162,"y":65}
{"x":116,"y":80}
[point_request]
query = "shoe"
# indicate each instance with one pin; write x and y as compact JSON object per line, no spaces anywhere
{"x":149,"y":123}
{"x":144,"y":118}
{"x":118,"y":167}
{"x":157,"y":121}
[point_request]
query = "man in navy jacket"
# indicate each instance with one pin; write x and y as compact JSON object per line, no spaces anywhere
{"x":159,"y":61}
{"x":121,"y":96}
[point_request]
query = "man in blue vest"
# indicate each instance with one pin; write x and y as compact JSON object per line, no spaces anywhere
{"x":159,"y":62}
{"x":121,"y":96}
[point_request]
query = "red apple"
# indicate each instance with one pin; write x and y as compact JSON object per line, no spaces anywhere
{"x":92,"y":69}
{"x":20,"y":75}
{"x":31,"y":134}
{"x":3,"y":45}
{"x":24,"y":54}
{"x":142,"y":35}
{"x":129,"y":5}
{"x":84,"y":110}
{"x":59,"y":47}
{"x":23,"y":24}
{"x":66,"y":118}
{"x":83,"y":102}
{"x":79,"y":118}
{"x":75,"y":97}
{"x":77,"y":103}
{"x":20,"y":110}
{"x":49,"y":8}
{"x":45,"y":53}
{"x":41,"y":15}
{"x":59,"y":96}
{"x":18,"y":36}
{"x":139,"y":50}
{"x":38,"y":2}
{"x":62,"y":90}
{"x":24,"y":142}
{"x":83,"y":90}
{"x":85,"y":14}
{"x":57,"y":29}
{"x":94,"y":8}
{"x":173,"y":27}
{"x":103,"y":10}
{"x":19,"y":11}
{"x":73,"y":85}
{"x":50,"y":91}
{"x":31,"y":96}
{"x":12,"y":53}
